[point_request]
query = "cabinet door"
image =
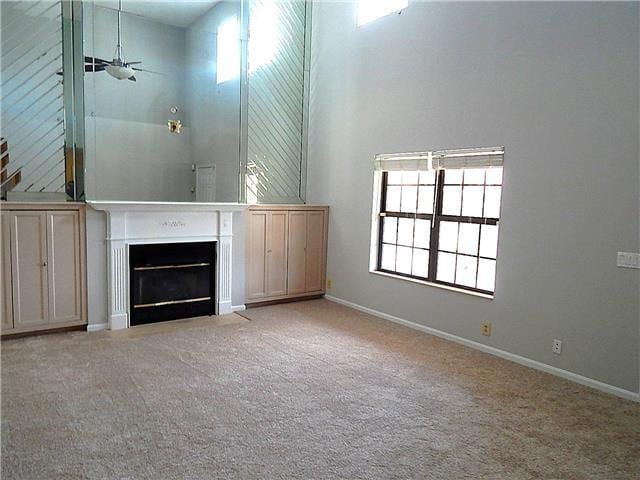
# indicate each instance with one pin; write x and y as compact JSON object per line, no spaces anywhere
{"x":29,"y":268}
{"x":64,"y":266}
{"x":297,"y":252}
{"x":277,"y":253}
{"x":315,"y":254}
{"x":6,"y":310}
{"x":257,"y":254}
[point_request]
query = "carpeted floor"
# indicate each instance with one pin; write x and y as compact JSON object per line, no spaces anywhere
{"x":304,"y":390}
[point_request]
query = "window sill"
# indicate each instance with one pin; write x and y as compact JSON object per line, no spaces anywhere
{"x":433,"y":284}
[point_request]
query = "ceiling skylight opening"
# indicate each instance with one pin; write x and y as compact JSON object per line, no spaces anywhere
{"x":370,"y":10}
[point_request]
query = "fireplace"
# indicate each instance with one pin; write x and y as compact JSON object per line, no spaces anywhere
{"x":131,"y":224}
{"x":171,"y":281}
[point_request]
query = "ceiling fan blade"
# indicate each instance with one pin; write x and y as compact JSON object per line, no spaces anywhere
{"x":95,"y":68}
{"x":133,"y":79}
{"x":149,"y":71}
{"x":133,"y":63}
{"x":96,"y":60}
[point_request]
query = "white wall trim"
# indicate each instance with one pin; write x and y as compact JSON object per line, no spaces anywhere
{"x":238,"y":308}
{"x":96,"y":327}
{"x":567,"y":375}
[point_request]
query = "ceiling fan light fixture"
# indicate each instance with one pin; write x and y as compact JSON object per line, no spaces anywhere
{"x":120,"y":72}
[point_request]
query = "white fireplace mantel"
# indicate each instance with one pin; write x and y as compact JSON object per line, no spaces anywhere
{"x":130,"y":223}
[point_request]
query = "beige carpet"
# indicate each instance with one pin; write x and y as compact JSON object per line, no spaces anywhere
{"x":304,"y":390}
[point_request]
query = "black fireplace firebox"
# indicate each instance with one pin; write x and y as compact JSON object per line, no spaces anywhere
{"x":172,"y":280}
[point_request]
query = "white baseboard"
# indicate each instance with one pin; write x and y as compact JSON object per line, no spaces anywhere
{"x":238,"y":308}
{"x":567,"y":375}
{"x":96,"y":327}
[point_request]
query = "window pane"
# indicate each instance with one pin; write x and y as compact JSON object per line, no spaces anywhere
{"x":422,"y":234}
{"x":425,"y":199}
{"x":420,"y":263}
{"x":389,"y":227}
{"x":228,"y":50}
{"x":472,"y":201}
{"x":466,"y":271}
{"x":388,"y":257}
{"x":468,"y":238}
{"x":487,"y":274}
{"x":489,"y":241}
{"x":448,"y":236}
{"x":446,"y":267}
{"x":393,"y":199}
{"x":453,"y":177}
{"x":410,"y":178}
{"x":394,"y":178}
{"x":474,"y":175}
{"x":428,"y":177}
{"x":403,"y":263}
{"x":405,"y":231}
{"x":409,"y":199}
{"x":451,"y":200}
{"x":494,"y":176}
{"x":492,"y":202}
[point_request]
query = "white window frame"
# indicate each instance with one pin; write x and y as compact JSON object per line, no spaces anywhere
{"x":430,"y":160}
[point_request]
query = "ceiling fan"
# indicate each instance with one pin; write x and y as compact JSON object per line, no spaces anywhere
{"x":118,"y":67}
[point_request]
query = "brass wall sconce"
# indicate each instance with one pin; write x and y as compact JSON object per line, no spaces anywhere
{"x":175,"y":126}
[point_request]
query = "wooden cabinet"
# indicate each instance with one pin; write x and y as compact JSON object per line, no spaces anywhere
{"x":5,"y":295}
{"x":28,"y":243}
{"x":256,"y":258}
{"x":286,"y":251}
{"x":297,"y":248}
{"x":43,"y":268}
{"x":64,"y":266}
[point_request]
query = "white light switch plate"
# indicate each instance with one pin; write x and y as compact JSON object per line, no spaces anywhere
{"x":628,"y":260}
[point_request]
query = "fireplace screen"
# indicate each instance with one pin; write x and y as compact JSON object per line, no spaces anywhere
{"x":171,"y":281}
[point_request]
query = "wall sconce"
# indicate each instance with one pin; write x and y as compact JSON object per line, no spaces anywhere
{"x":175,"y":126}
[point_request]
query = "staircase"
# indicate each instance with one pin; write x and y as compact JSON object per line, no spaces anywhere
{"x":9,"y":182}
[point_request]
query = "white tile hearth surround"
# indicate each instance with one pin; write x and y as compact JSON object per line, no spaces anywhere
{"x":130,"y":223}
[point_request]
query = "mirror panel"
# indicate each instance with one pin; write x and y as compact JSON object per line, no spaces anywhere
{"x":276,"y":97}
{"x":33,"y":128}
{"x":182,"y":105}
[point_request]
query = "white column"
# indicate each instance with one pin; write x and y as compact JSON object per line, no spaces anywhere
{"x":118,"y":271}
{"x":224,"y":262}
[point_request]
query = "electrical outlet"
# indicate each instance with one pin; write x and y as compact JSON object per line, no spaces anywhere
{"x":557,"y":346}
{"x":329,"y":283}
{"x":486,"y":329}
{"x":628,"y":260}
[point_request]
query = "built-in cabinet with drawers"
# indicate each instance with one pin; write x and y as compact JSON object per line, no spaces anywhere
{"x":43,"y":267}
{"x":286,"y":252}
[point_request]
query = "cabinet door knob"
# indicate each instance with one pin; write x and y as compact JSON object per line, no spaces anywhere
{"x":269,"y":251}
{"x":44,"y":264}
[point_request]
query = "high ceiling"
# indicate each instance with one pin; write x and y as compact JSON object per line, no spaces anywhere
{"x":180,"y":13}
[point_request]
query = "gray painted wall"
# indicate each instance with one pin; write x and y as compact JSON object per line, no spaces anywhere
{"x":557,"y":84}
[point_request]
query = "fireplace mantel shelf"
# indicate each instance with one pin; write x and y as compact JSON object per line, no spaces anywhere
{"x":128,"y":206}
